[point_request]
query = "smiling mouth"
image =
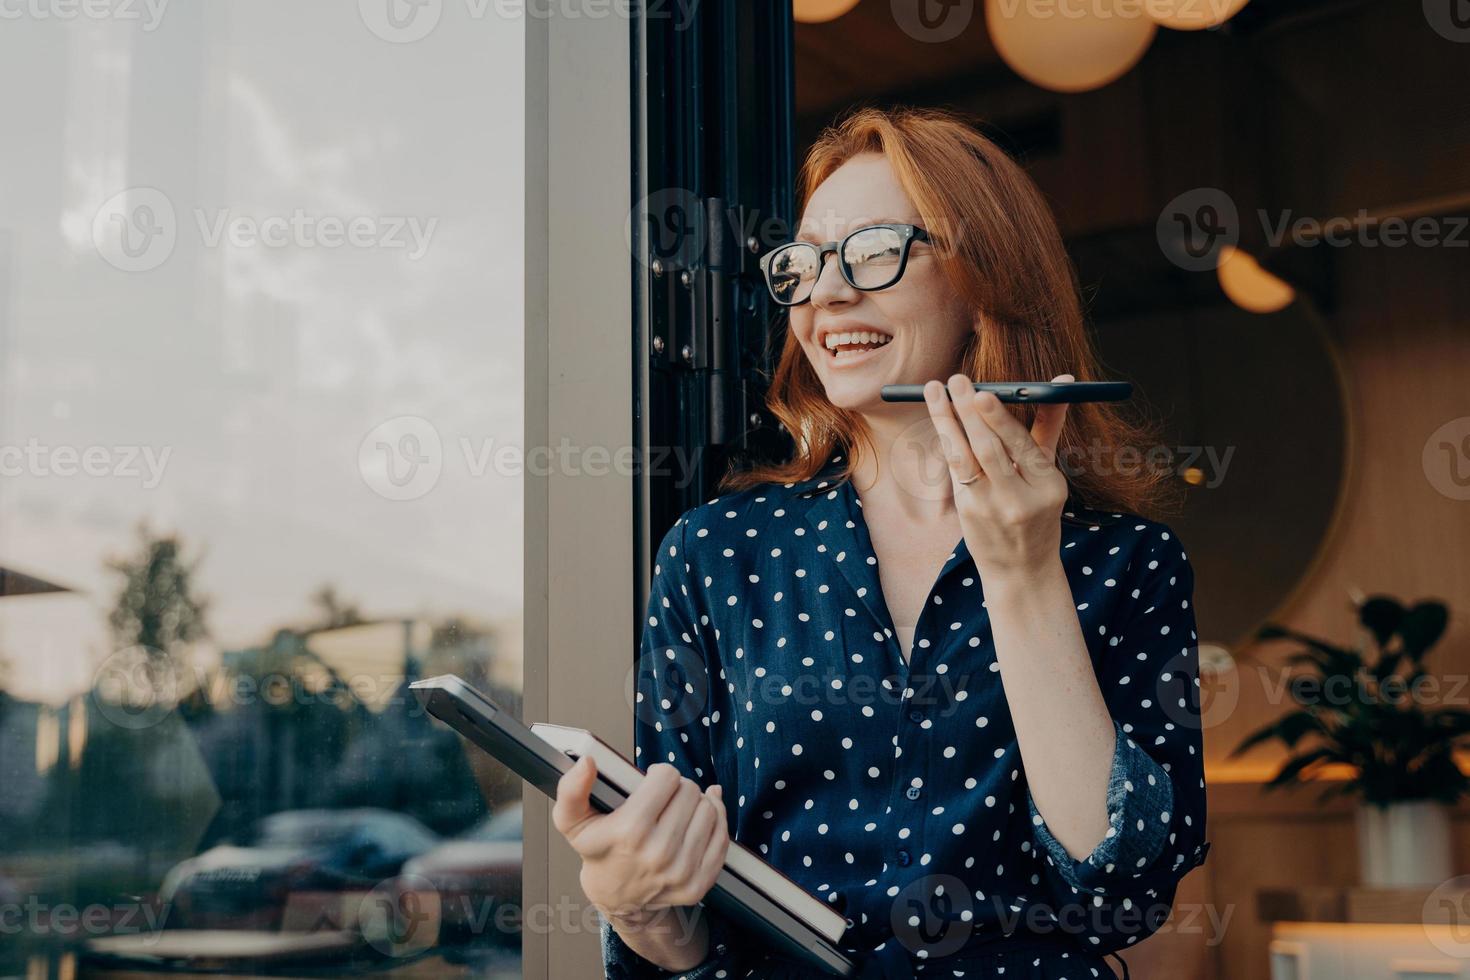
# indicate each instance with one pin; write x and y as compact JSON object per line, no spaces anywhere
{"x":855,"y":345}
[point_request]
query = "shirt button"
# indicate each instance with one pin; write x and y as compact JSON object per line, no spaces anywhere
{"x":904,"y":858}
{"x":912,"y":793}
{"x":915,"y":715}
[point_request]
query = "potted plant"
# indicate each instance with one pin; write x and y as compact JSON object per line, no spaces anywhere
{"x":1367,"y":707}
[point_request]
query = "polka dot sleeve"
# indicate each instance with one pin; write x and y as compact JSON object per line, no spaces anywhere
{"x":1148,"y":673}
{"x":671,"y":725}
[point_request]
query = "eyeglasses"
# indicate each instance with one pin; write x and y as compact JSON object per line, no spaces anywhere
{"x":870,"y":258}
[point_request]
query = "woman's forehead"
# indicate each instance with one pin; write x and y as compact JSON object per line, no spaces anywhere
{"x":863,"y":191}
{"x":832,"y":228}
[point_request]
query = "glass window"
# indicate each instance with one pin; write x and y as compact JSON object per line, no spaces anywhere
{"x":261,"y":393}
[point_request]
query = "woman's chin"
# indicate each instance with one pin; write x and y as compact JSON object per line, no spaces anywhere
{"x":857,"y":395}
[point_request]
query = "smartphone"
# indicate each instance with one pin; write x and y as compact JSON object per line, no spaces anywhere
{"x":1045,"y":392}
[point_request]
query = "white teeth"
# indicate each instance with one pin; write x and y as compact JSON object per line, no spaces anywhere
{"x":835,"y":340}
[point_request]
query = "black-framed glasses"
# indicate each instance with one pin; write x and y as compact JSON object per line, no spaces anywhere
{"x":872,"y":257}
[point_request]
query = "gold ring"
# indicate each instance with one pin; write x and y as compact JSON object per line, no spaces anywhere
{"x":978,"y":474}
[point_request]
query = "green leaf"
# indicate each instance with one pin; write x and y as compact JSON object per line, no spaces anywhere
{"x":1451,"y":722}
{"x":1292,"y":727}
{"x":1382,"y":615}
{"x":1422,"y":627}
{"x":1263,"y":734}
{"x":1296,"y":768}
{"x":1288,"y":728}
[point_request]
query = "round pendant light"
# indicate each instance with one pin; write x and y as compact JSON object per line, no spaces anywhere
{"x":1249,"y":285}
{"x":820,"y":11}
{"x":1070,"y":47}
{"x":1193,"y":15}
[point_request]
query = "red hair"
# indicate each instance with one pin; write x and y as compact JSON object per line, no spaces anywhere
{"x":999,"y":245}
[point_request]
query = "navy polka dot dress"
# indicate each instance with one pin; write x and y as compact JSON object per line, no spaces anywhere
{"x":895,"y":791}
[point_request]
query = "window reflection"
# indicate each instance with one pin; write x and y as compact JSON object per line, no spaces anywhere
{"x":260,"y":337}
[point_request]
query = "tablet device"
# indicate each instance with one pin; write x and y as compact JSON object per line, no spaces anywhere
{"x":457,"y":704}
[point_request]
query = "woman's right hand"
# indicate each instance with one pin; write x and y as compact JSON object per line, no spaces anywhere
{"x":663,"y":847}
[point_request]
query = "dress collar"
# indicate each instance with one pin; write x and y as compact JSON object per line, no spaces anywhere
{"x":825,"y":479}
{"x":831,"y":508}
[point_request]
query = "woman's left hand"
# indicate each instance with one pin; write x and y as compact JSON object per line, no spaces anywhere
{"x":1011,"y":515}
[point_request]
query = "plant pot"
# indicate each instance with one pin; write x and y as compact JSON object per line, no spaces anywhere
{"x":1404,"y":844}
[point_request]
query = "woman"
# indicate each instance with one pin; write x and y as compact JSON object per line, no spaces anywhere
{"x":997,"y":771}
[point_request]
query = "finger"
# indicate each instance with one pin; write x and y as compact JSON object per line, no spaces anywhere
{"x":989,"y":450}
{"x":637,"y":817}
{"x":1022,"y":449}
{"x":1046,"y":431}
{"x":703,"y":824}
{"x":672,"y":824}
{"x":573,"y":806}
{"x":714,"y":852}
{"x":952,"y":441}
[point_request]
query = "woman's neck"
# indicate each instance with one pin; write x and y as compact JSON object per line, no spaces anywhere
{"x":905,"y":469}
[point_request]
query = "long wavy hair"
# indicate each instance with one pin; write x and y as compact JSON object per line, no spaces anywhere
{"x":998,"y":243}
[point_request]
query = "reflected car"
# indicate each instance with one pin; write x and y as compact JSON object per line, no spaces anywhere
{"x":474,"y":880}
{"x":302,"y":861}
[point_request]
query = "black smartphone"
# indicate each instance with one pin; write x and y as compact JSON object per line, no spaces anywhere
{"x":1045,"y":392}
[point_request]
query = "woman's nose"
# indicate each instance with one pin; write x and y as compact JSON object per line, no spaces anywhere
{"x":832,"y":288}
